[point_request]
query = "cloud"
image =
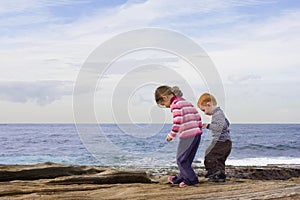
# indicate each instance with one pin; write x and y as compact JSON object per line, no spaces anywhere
{"x":40,"y":42}
{"x":76,"y":39}
{"x":21,"y":18}
{"x":15,"y":6}
{"x":39,"y":92}
{"x":243,"y":78}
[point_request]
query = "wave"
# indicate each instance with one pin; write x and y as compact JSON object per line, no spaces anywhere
{"x":265,"y":147}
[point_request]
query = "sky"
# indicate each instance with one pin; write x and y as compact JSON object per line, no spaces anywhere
{"x":253,"y":44}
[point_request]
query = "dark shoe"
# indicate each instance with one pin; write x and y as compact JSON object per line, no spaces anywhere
{"x":207,"y":175}
{"x":214,"y":174}
{"x":217,"y":180}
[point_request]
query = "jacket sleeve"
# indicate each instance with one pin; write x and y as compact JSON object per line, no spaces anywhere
{"x":218,"y":122}
{"x":177,"y":120}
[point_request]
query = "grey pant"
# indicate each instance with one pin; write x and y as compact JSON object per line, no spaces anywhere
{"x":187,"y":149}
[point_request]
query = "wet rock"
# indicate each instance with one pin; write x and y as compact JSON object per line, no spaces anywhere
{"x":106,"y":178}
{"x":265,"y":173}
{"x":68,"y":174}
{"x":270,"y":172}
{"x":43,"y":171}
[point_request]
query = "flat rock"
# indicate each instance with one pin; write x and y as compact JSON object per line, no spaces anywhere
{"x":43,"y":171}
{"x":113,"y":177}
{"x":48,"y":181}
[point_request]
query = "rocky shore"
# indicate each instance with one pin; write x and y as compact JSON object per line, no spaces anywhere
{"x":56,"y":181}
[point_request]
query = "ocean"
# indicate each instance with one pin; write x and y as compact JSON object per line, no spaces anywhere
{"x":140,"y":145}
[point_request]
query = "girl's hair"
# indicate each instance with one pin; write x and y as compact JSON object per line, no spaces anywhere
{"x":205,"y":98}
{"x":166,"y":90}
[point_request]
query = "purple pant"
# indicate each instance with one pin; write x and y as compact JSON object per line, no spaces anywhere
{"x":187,"y":149}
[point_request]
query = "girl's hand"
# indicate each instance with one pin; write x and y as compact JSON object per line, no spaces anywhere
{"x":204,"y":125}
{"x":168,"y":138}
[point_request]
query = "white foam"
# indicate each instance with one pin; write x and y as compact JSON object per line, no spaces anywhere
{"x":263,"y":161}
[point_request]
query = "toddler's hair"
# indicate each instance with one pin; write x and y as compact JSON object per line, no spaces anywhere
{"x":205,"y":98}
{"x":166,"y":90}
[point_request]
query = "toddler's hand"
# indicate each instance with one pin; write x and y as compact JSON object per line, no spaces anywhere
{"x":204,"y":125}
{"x":168,"y":138}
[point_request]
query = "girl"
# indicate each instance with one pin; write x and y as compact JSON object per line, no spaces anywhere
{"x":187,"y":124}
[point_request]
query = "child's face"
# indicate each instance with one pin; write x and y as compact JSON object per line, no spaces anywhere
{"x":165,"y":102}
{"x":206,"y":108}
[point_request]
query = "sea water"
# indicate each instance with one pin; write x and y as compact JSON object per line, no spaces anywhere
{"x":125,"y":145}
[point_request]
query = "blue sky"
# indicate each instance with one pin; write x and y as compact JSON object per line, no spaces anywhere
{"x":254,"y":45}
